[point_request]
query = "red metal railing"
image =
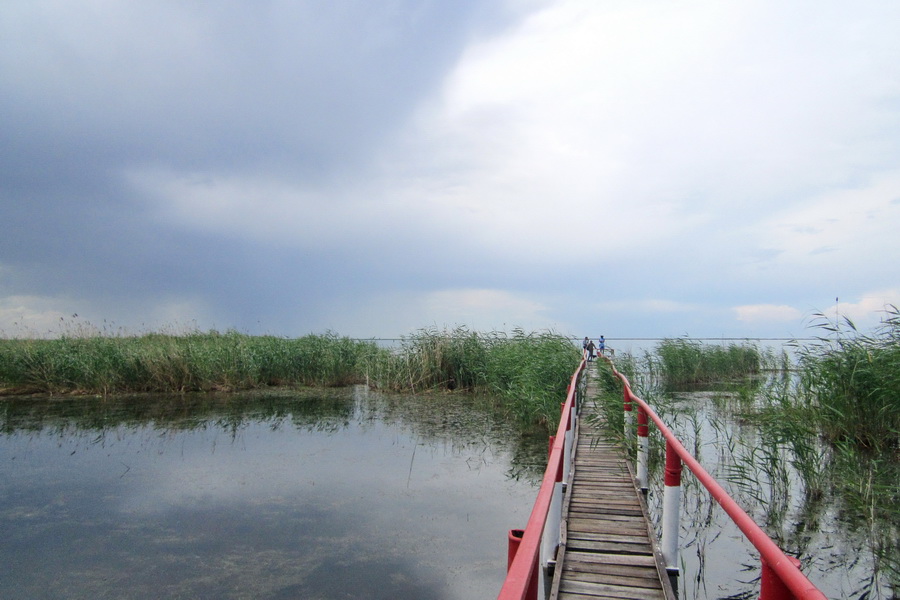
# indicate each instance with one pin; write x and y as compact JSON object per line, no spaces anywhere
{"x":523,"y":575}
{"x":781,"y":578}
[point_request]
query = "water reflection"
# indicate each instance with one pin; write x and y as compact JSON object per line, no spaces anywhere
{"x":785,"y":483}
{"x":285,"y":495}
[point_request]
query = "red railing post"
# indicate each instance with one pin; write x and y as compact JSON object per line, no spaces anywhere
{"x":771,"y":587}
{"x":643,"y":449}
{"x":781,"y":576}
{"x":629,"y":414}
{"x":514,"y":539}
{"x":671,"y":517}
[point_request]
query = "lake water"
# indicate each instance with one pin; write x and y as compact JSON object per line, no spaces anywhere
{"x":843,"y":555}
{"x":338,"y":494}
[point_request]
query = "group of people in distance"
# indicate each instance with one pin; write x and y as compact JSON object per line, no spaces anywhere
{"x":590,"y":347}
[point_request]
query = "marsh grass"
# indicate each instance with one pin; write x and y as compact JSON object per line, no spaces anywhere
{"x":803,"y":449}
{"x":528,"y":372}
{"x":683,"y":361}
{"x":164,"y":363}
{"x":850,"y":381}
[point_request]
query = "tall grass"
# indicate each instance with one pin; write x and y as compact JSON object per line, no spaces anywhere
{"x":851,"y":383}
{"x":529,"y":372}
{"x":683,"y":361}
{"x":166,"y":363}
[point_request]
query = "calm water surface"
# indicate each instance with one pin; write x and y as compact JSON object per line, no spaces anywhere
{"x":839,"y":554}
{"x":346,"y":494}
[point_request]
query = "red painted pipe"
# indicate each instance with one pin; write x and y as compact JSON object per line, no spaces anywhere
{"x":782,"y":568}
{"x":771,"y":587}
{"x":514,"y":540}
{"x":673,"y":466}
{"x":643,"y":429}
{"x":522,"y":574}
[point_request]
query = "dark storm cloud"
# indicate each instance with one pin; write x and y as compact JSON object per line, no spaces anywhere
{"x":313,"y":85}
{"x":89,"y":90}
{"x":371,"y":167}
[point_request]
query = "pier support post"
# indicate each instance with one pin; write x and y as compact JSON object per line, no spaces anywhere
{"x":629,"y":414}
{"x":643,"y":450}
{"x":671,"y":518}
{"x":513,"y":540}
{"x":771,"y":587}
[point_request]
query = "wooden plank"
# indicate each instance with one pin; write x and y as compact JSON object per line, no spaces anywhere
{"x":599,"y":569}
{"x":611,"y":590}
{"x":606,"y":551}
{"x":634,"y":560}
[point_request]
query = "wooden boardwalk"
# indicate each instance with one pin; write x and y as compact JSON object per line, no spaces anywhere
{"x":606,"y":549}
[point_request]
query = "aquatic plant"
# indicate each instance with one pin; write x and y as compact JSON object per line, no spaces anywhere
{"x":196,"y":361}
{"x":851,"y":382}
{"x":683,"y":361}
{"x":529,"y":372}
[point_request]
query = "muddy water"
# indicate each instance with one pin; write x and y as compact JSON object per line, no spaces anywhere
{"x":349,"y":494}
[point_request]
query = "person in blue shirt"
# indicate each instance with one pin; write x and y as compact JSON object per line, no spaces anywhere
{"x":601,"y":346}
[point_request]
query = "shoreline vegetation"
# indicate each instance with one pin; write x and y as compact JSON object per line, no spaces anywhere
{"x":529,"y":372}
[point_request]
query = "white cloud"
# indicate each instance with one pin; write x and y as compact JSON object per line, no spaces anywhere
{"x":638,"y":125}
{"x":870,"y":309}
{"x":388,"y":314}
{"x":23,"y":316}
{"x":615,"y":150}
{"x":31,"y":316}
{"x":844,"y":229}
{"x":767,"y":313}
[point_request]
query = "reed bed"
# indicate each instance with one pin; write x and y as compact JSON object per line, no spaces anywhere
{"x":529,"y":372}
{"x":850,"y":383}
{"x":683,"y":361}
{"x":802,"y":444}
{"x":165,"y":363}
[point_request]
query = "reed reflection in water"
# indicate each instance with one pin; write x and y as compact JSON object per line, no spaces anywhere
{"x":284,"y":495}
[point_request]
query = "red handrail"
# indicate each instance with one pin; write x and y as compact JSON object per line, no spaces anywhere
{"x":521,"y":576}
{"x":785,"y":568}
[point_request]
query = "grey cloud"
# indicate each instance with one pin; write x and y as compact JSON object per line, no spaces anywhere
{"x":87,"y":90}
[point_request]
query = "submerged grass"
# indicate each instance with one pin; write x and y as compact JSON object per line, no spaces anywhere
{"x":529,"y":372}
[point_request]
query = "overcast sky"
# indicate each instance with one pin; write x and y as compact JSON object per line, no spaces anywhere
{"x":631,"y":168}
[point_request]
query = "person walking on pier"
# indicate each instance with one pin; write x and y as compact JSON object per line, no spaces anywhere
{"x":590,"y":350}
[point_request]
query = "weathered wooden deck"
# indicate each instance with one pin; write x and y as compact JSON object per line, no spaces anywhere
{"x":606,"y":549}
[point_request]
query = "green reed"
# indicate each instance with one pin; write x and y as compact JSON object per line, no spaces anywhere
{"x":529,"y":372}
{"x":683,"y":361}
{"x":851,"y":382}
{"x":779,"y":451}
{"x":195,"y":361}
